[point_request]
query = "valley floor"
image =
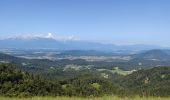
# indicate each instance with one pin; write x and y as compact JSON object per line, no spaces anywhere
{"x":79,"y":98}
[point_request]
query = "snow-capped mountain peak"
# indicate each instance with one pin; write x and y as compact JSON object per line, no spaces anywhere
{"x":32,"y":37}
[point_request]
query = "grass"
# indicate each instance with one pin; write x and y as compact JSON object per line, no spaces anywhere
{"x":118,"y":71}
{"x":79,"y":98}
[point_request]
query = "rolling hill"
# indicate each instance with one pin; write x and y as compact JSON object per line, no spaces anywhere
{"x":153,"y":82}
{"x":155,"y":54}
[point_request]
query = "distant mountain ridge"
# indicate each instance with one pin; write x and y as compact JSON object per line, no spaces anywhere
{"x":155,"y":54}
{"x":51,"y":43}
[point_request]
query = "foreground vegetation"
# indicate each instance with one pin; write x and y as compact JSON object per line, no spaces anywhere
{"x":145,"y":83}
{"x":79,"y":98}
{"x":16,"y":83}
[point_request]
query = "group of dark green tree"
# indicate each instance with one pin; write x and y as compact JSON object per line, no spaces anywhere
{"x":14,"y":82}
{"x":151,"y":82}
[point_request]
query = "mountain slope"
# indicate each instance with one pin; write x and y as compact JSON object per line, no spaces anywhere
{"x":155,"y":54}
{"x":154,"y":82}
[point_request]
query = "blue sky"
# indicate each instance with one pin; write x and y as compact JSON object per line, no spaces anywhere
{"x":106,"y":21}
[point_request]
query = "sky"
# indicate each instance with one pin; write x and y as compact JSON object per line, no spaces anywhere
{"x":105,"y":21}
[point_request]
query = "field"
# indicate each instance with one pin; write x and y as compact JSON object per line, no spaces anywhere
{"x":118,"y":71}
{"x":79,"y":98}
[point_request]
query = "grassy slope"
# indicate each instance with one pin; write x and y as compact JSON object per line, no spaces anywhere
{"x":118,"y":71}
{"x":77,"y":98}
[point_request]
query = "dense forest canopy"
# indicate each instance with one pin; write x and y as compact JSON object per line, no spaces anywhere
{"x":15,"y":82}
{"x":151,"y":82}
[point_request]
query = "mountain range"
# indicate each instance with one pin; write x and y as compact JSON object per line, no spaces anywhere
{"x":51,"y":43}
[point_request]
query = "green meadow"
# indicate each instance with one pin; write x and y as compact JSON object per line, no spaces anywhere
{"x":80,"y":98}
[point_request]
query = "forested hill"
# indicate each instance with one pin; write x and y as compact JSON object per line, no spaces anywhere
{"x":155,"y":54}
{"x":151,"y":82}
{"x":14,"y":82}
{"x":154,"y":82}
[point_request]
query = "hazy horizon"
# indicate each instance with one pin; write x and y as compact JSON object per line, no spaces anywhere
{"x":111,"y":21}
